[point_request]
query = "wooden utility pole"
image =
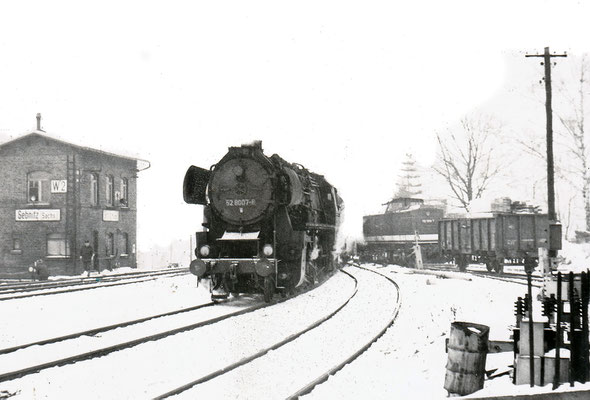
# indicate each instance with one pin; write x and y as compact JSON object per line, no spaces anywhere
{"x":550,"y":174}
{"x":546,"y":256}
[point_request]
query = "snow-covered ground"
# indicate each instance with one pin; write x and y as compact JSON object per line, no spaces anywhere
{"x":291,"y":367}
{"x":153,"y":368}
{"x":574,"y":257}
{"x":407,"y":362}
{"x":31,"y":319}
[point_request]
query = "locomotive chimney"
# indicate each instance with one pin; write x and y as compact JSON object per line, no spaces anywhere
{"x":38,"y":121}
{"x":257,"y":144}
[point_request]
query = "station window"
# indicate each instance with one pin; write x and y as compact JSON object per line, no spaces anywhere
{"x":57,"y":245}
{"x":124,"y":193}
{"x":38,"y":187}
{"x":94,"y":189}
{"x":110,"y":245}
{"x":124,"y":244}
{"x":110,"y":190}
{"x":16,"y":246}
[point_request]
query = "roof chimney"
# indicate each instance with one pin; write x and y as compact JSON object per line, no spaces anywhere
{"x":38,"y":121}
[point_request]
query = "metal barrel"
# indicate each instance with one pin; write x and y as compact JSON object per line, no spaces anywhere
{"x":467,"y":351}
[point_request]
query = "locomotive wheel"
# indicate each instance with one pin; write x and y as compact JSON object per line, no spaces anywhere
{"x":269,"y":289}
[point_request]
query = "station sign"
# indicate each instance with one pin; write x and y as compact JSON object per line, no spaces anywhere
{"x":38,"y":215}
{"x":59,"y":186}
{"x":110,"y":215}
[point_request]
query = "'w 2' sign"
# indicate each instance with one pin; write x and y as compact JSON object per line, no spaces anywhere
{"x":60,"y":186}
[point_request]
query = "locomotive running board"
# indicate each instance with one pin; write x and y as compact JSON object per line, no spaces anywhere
{"x":239,"y":236}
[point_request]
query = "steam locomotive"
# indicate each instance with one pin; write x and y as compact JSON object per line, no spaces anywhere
{"x":269,"y":226}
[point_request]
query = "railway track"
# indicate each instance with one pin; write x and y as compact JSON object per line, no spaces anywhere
{"x":85,"y":349}
{"x":33,"y":289}
{"x":514,"y":277}
{"x":308,"y":365}
{"x":181,"y":347}
{"x":331,"y":371}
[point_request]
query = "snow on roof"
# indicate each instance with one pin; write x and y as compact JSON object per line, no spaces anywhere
{"x":43,"y":134}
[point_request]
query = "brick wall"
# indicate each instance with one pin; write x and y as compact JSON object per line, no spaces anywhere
{"x":37,"y":153}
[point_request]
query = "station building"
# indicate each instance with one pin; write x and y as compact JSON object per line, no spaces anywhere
{"x":55,"y":195}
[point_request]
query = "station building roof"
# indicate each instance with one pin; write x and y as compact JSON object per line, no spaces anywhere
{"x":43,"y":135}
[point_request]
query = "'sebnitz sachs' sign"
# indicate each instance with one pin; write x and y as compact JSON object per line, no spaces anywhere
{"x":38,"y":215}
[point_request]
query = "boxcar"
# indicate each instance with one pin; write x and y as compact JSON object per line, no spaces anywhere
{"x":494,"y":238}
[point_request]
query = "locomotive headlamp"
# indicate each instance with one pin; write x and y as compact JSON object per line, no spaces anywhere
{"x":205,"y":251}
{"x":267,"y":250}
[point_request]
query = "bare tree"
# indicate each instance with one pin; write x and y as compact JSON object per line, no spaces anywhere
{"x":576,"y":146}
{"x":465,"y":158}
{"x":571,"y":147}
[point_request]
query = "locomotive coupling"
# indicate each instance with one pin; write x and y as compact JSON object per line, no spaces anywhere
{"x":198,"y":267}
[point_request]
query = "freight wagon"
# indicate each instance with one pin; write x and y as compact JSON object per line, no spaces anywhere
{"x":495,"y":238}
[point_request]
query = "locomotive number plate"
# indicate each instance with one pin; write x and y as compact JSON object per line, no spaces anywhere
{"x":240,"y":202}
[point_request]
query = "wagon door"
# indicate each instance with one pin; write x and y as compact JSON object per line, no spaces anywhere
{"x":493,"y":234}
{"x":484,"y":229}
{"x":465,"y":236}
{"x":511,"y":233}
{"x":477,"y":237}
{"x":527,"y":233}
{"x":455,"y":232}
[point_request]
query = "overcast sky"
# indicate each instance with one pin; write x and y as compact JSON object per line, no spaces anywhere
{"x":344,"y":88}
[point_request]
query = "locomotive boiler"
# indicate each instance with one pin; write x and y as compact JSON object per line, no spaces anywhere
{"x":269,"y":225}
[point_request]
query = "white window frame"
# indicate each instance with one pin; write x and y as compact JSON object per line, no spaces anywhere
{"x":40,"y":180}
{"x":94,"y":189}
{"x":124,"y":192}
{"x":58,"y":245}
{"x":110,"y":190}
{"x":110,"y":244}
{"x":125,"y":244}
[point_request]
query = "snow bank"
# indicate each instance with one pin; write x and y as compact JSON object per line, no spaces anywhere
{"x":574,"y":257}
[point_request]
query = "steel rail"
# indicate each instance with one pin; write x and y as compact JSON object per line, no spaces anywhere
{"x":262,"y":352}
{"x":102,"y":329}
{"x":110,"y":349}
{"x":120,"y":346}
{"x":31,"y":286}
{"x":97,"y":285}
{"x":326,"y":375}
{"x":504,"y":276}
